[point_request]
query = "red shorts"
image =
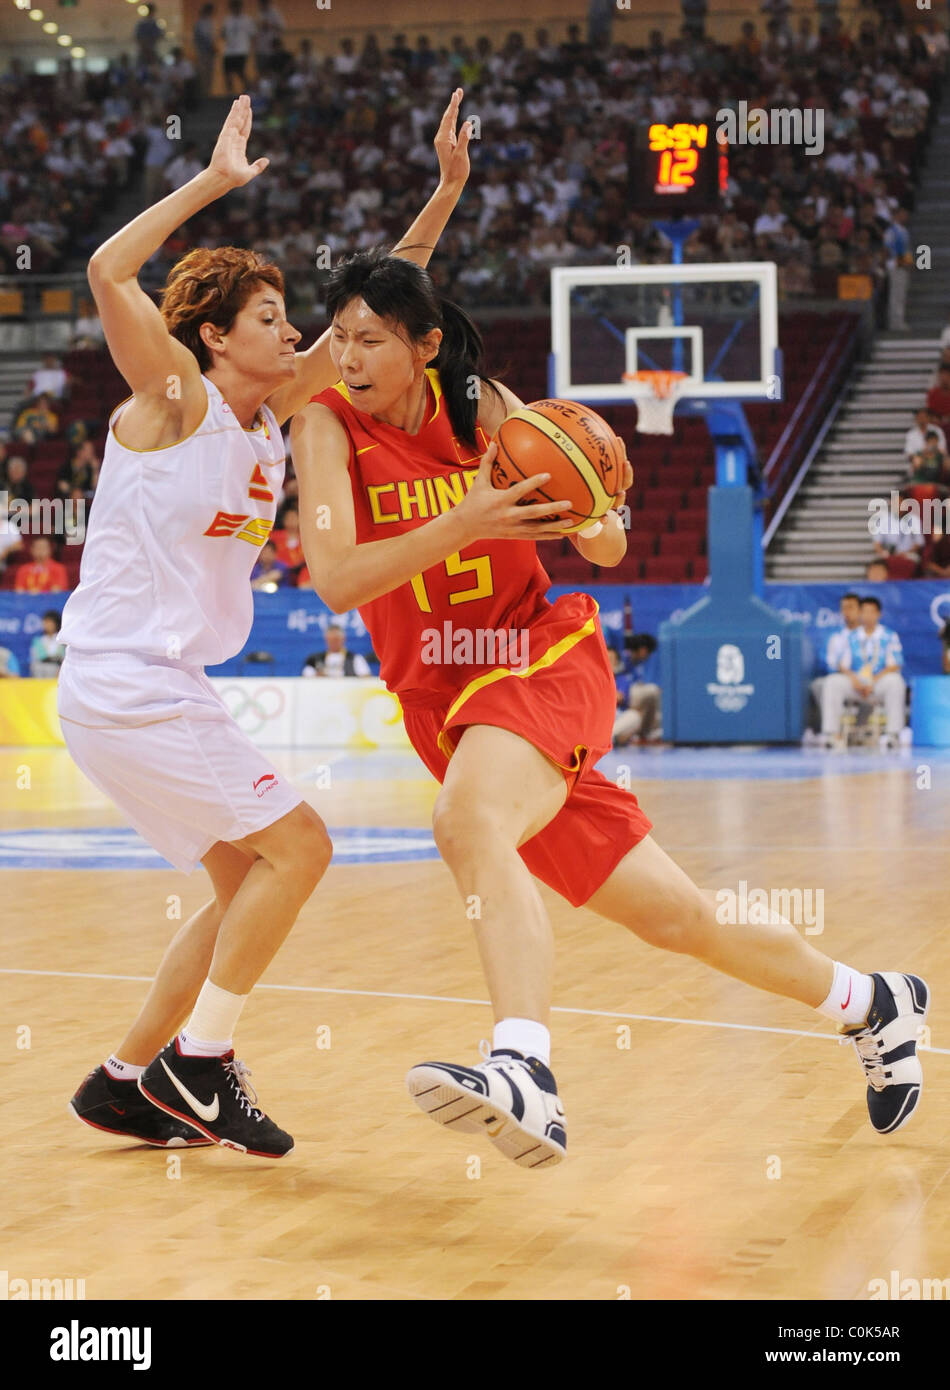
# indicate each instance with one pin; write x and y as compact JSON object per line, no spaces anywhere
{"x":563,"y":704}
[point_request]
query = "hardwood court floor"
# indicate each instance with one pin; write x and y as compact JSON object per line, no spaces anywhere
{"x":725,"y":1154}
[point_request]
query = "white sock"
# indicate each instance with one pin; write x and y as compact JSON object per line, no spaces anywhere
{"x":525,"y":1036}
{"x":850,"y":996}
{"x":121,"y":1071}
{"x":210,"y":1030}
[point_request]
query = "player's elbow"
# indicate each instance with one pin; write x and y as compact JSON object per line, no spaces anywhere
{"x":333,"y":595}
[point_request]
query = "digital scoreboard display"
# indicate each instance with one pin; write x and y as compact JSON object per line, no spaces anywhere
{"x":679,"y":168}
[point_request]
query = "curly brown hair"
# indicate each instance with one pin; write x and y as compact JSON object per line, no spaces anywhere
{"x":212,"y":285}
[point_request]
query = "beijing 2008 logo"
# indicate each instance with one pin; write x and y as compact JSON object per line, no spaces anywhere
{"x":728,"y":691}
{"x":252,"y":711}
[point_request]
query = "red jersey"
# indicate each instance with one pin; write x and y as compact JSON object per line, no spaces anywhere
{"x":454,"y":619}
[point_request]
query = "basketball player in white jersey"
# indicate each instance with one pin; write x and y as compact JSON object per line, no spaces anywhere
{"x":193,"y":465}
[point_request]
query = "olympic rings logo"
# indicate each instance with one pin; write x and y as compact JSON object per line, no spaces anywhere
{"x":266,"y":704}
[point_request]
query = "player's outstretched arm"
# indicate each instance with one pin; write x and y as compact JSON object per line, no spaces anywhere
{"x":314,"y":368}
{"x":346,"y":573}
{"x":142,"y":348}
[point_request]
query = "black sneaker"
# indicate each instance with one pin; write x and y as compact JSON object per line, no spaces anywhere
{"x":887,"y":1048}
{"x":510,"y":1098}
{"x":117,"y":1108}
{"x":212,"y":1094}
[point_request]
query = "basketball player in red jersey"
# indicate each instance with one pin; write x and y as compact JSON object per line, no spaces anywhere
{"x":187,"y":495}
{"x":509,"y":701}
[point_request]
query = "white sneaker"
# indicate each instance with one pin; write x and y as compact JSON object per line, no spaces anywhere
{"x":887,"y":1048}
{"x":510,"y":1098}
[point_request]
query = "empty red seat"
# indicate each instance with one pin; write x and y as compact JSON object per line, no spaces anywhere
{"x":649,"y":521}
{"x":680,"y":543}
{"x":680,"y":475}
{"x":667,"y":499}
{"x":690,"y":519}
{"x":666,"y":569}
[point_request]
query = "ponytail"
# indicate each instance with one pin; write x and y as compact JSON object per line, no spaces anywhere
{"x":461,"y":369}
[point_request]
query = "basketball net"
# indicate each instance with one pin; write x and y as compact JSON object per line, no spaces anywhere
{"x":656,"y":399}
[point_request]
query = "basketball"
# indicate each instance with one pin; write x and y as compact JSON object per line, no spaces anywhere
{"x":579,"y":449}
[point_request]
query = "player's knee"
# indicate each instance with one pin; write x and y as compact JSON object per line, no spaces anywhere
{"x":680,"y":924}
{"x":305,"y":850}
{"x":315,"y":852}
{"x":458,"y":828}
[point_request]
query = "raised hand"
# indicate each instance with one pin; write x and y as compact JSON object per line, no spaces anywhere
{"x":229,"y":158}
{"x":452,"y":149}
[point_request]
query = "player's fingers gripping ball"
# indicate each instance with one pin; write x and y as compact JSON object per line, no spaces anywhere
{"x":584,"y":457}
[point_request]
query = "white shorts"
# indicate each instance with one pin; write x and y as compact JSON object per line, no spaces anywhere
{"x":158,"y":741}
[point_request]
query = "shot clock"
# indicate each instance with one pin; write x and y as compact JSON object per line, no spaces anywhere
{"x":676,"y":169}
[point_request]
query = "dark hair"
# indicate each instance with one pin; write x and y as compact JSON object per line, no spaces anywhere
{"x":52,"y":613}
{"x":852,"y":594}
{"x":403,"y":293}
{"x":633,"y":640}
{"x":869,"y":598}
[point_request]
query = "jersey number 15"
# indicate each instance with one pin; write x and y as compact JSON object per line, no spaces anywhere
{"x":454,"y":564}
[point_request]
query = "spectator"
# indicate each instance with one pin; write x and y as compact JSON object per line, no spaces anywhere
{"x":148,"y":35}
{"x":9,"y":666}
{"x":928,"y":468}
{"x":46,"y":651}
{"x":36,"y":420}
{"x":50,"y":379}
{"x":206,"y":49}
{"x":945,"y":643}
{"x":183,"y":168}
{"x":899,"y":264}
{"x":41,"y":574}
{"x":872,"y":663}
{"x":900,"y":543}
{"x":772,"y":219}
{"x":238,"y":31}
{"x":11,"y":540}
{"x":14,"y":480}
{"x":87,"y":329}
{"x":876,"y":572}
{"x":936,"y":561}
{"x":336,"y":660}
{"x":287,"y":539}
{"x":269,"y":573}
{"x":938,"y":397}
{"x":80,"y":472}
{"x":269,"y":44}
{"x":914,"y":438}
{"x":641,"y":718}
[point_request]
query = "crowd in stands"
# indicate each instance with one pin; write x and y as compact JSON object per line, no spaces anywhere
{"x":915,"y":543}
{"x":349,"y":140}
{"x":349,"y":137}
{"x":72,"y":142}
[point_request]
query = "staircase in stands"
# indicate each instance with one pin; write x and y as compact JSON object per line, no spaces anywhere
{"x":825,"y":535}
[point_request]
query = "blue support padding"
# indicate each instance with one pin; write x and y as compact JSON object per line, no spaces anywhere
{"x":732,"y":669}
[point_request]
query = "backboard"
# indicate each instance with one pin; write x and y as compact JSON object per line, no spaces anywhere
{"x":718,"y":322}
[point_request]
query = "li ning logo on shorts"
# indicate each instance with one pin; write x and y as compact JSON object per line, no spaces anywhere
{"x":264,"y":784}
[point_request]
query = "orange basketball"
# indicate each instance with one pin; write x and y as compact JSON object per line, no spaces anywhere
{"x":571,"y":442}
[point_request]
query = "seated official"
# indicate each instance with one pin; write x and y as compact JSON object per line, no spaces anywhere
{"x":336,"y":660}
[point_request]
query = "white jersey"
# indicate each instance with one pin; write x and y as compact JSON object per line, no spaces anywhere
{"x":173,"y":536}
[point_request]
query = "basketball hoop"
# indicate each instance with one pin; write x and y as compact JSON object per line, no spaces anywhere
{"x":656,"y":394}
